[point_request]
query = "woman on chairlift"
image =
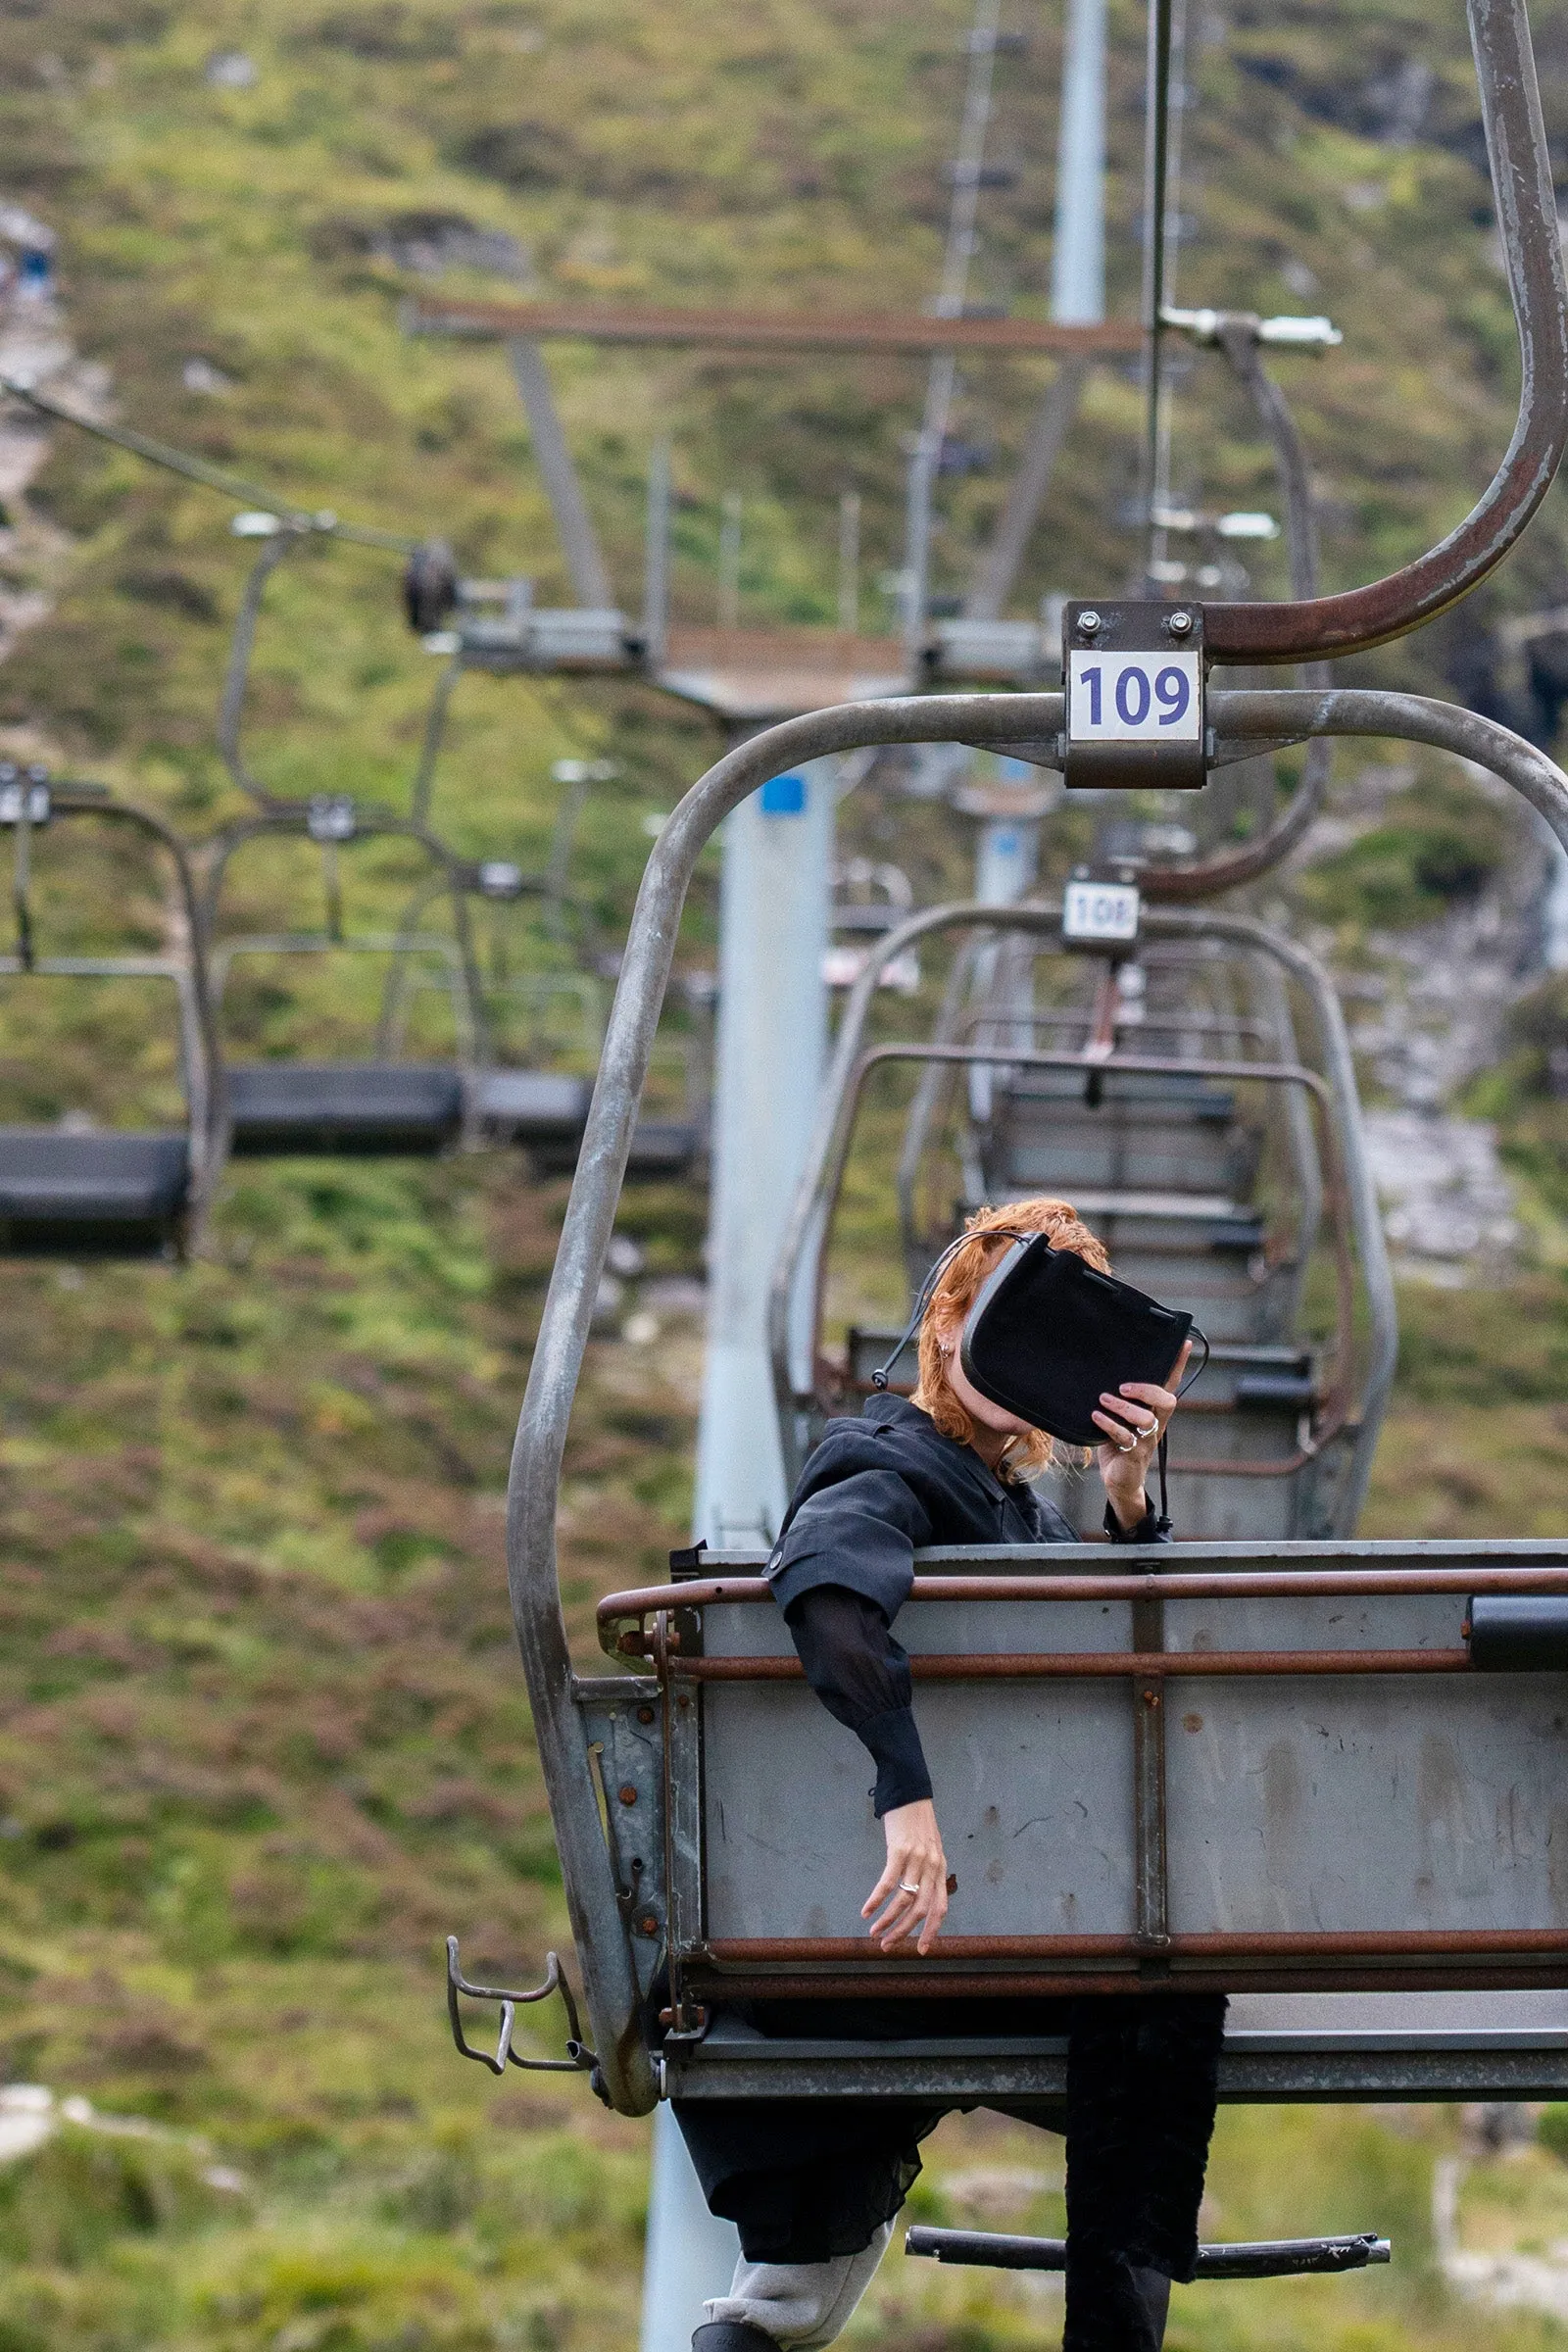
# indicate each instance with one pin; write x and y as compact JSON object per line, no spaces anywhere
{"x":1021,"y":1331}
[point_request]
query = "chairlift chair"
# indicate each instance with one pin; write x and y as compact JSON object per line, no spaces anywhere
{"x":517,"y":1104}
{"x":78,"y":1189}
{"x":380,"y":1105}
{"x":1277,"y":1438}
{"x":1356,"y":1973}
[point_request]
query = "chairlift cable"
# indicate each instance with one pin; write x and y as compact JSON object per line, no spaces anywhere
{"x":1157,"y":175}
{"x":212,"y":477}
{"x":1162,"y":419}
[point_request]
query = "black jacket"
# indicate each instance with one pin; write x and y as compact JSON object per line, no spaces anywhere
{"x":872,"y":1492}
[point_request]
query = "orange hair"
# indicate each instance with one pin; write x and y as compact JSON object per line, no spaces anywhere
{"x":962,"y":1279}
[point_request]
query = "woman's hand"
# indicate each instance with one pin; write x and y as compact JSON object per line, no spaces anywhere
{"x":913,"y":1888}
{"x":1135,"y":1420}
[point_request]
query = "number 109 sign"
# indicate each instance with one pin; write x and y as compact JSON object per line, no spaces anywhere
{"x":1133,"y":698}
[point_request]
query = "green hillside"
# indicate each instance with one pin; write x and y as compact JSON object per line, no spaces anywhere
{"x":262,"y":1737}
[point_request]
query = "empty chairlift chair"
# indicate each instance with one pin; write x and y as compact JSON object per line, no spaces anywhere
{"x":80,"y":1188}
{"x":514,"y":1099}
{"x":381,"y":1104}
{"x":535,"y":1015}
{"x":1167,"y":1163}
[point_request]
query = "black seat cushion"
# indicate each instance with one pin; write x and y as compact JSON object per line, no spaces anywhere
{"x":391,"y":1107}
{"x":105,"y":1192}
{"x":662,"y":1150}
{"x":534,"y":1107}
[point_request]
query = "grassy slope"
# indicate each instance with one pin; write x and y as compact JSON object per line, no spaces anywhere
{"x":262,"y":1739}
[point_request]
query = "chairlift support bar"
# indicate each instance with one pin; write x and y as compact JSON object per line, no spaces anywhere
{"x":590,"y":579}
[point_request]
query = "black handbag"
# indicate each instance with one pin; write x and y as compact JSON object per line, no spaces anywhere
{"x":1048,"y":1336}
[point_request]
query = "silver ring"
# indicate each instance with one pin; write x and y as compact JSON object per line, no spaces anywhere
{"x":1150,"y":1431}
{"x":1129,"y":1447}
{"x":906,"y":1889}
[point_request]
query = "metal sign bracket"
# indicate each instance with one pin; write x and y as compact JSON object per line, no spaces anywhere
{"x":1135,"y":678}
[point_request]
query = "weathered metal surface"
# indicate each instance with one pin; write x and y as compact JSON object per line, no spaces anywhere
{"x":1032,"y":1666}
{"x":1206,"y":1800}
{"x":624,"y":1722}
{"x":1052,"y":1575}
{"x":1303,"y":2046}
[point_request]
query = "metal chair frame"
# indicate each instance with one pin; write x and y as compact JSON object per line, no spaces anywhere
{"x":199,"y":1062}
{"x":330,"y":826}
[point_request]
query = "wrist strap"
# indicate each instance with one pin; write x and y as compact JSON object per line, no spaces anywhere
{"x":1163,"y":1523}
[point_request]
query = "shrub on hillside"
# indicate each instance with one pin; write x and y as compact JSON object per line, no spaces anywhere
{"x":1438,"y":846}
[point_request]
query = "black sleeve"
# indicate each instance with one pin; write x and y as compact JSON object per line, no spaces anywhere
{"x":1151,"y":1528}
{"x":862,"y":1676}
{"x":853,"y":1519}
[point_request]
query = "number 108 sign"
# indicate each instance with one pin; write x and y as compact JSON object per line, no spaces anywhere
{"x":1134,"y":696}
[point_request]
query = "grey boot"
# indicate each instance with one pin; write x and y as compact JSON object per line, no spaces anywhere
{"x":731,"y":2335}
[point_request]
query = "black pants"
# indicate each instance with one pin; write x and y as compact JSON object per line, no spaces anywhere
{"x":808,"y":2179}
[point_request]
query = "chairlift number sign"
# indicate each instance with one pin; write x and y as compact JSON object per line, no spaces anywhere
{"x":1098,"y":914}
{"x":1134,"y":676}
{"x":1134,"y":698}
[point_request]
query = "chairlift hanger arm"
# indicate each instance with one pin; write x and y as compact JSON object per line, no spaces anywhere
{"x":1527,"y":221}
{"x":236,"y":677}
{"x":1238,"y":337}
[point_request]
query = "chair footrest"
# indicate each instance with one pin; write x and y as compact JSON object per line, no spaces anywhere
{"x":1265,"y":2258}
